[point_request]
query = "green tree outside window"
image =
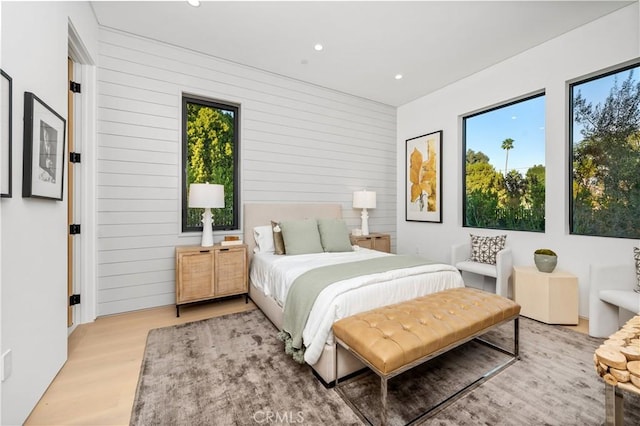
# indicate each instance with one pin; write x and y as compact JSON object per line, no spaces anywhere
{"x":513,"y":198}
{"x":210,"y":144}
{"x":605,"y":147}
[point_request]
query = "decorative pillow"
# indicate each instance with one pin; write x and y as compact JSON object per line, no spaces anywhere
{"x":263,"y":235}
{"x":484,"y":249}
{"x":636,"y":256}
{"x":278,"y":242}
{"x":334,"y":235}
{"x":301,"y":236}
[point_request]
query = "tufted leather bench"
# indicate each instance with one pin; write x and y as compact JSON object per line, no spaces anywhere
{"x":393,"y":339}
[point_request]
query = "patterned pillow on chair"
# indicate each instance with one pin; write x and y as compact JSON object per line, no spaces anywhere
{"x":636,"y":256}
{"x":484,"y":249}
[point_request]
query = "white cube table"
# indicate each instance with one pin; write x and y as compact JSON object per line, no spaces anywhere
{"x":550,"y":297}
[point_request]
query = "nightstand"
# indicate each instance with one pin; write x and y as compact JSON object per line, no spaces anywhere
{"x":207,"y":273}
{"x":548,"y":297}
{"x":380,"y":242}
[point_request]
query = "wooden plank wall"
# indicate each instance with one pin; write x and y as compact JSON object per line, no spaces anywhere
{"x":299,"y":142}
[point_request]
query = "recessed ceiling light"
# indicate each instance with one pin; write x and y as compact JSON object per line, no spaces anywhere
{"x":398,"y":77}
{"x":318,"y":47}
{"x":194,"y":3}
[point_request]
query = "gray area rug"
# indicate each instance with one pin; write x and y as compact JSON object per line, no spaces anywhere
{"x":232,"y":370}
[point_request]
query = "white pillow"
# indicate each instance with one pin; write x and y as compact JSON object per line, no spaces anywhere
{"x":264,"y":239}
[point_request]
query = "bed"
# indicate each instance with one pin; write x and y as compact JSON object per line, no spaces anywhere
{"x":335,"y":301}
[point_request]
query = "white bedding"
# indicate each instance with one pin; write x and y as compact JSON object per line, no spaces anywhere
{"x":274,"y":274}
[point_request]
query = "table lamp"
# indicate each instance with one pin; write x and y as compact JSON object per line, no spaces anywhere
{"x":364,"y":200}
{"x":207,"y":196}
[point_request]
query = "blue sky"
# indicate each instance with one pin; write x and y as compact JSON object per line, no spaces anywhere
{"x":524,"y":122}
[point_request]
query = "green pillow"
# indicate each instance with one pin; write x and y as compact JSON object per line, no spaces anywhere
{"x":301,"y":236}
{"x":334,"y":235}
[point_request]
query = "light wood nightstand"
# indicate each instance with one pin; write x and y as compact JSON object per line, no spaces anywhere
{"x":548,"y":297}
{"x":380,"y":242}
{"x":207,"y":273}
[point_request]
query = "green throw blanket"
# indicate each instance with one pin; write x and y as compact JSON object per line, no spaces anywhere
{"x":306,"y":288}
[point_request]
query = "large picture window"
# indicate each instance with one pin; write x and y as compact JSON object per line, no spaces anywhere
{"x":605,"y":154}
{"x":210,"y":147}
{"x":504,"y":168}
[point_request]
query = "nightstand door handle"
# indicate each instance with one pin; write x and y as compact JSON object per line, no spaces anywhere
{"x":224,"y":249}
{"x":205,"y":251}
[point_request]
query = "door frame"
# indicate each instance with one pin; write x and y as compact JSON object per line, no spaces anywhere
{"x":86,"y":135}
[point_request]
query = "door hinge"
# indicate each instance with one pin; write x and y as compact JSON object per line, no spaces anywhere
{"x":74,"y":229}
{"x":74,"y":87}
{"x":74,"y":299}
{"x":74,"y":157}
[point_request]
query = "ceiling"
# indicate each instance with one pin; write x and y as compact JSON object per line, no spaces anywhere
{"x":366,"y":43}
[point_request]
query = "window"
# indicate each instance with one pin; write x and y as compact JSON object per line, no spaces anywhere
{"x":210,"y":147}
{"x":605,"y":154}
{"x":504,"y":172}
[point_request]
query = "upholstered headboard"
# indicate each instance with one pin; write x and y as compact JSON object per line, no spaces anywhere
{"x":258,"y":214}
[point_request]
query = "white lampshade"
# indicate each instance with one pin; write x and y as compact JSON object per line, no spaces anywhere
{"x":205,"y":195}
{"x":364,"y":200}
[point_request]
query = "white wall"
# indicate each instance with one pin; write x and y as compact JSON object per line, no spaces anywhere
{"x":606,"y":42}
{"x":34,"y":232}
{"x":299,"y":142}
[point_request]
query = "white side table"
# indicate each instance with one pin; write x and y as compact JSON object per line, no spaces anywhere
{"x":548,"y":297}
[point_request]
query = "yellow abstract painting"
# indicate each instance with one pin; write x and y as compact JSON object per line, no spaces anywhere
{"x":423,"y":174}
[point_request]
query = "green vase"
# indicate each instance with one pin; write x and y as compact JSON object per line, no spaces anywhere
{"x":545,"y":263}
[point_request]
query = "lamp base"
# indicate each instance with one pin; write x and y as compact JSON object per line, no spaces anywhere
{"x":207,"y":228}
{"x":365,"y":222}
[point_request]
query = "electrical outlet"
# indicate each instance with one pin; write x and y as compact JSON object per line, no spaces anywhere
{"x":6,"y":364}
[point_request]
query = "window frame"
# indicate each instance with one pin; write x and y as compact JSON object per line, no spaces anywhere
{"x":537,"y":94}
{"x":212,"y":103}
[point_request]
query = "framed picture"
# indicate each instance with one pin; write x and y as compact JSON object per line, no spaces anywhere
{"x":5,"y":141}
{"x":423,"y":181}
{"x":43,"y":161}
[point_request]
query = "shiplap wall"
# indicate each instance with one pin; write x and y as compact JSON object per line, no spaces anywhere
{"x":299,"y":142}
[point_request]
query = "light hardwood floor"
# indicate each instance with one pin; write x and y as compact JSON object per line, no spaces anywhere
{"x":97,"y":384}
{"x":581,"y":327}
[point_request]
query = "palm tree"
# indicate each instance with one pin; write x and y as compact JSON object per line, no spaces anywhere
{"x":507,"y":144}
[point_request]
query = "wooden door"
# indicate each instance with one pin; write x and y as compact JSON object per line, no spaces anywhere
{"x":194,"y":275}
{"x":231,"y":266}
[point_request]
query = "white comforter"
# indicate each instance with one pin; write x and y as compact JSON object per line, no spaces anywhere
{"x":274,"y":275}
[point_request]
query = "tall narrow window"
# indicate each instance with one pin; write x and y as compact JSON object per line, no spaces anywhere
{"x":504,"y":168}
{"x":605,"y":154}
{"x":210,"y":145}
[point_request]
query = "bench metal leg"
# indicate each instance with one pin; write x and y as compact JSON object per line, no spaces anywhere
{"x":614,"y":415}
{"x":516,"y":337}
{"x":383,"y":397}
{"x":335,"y":364}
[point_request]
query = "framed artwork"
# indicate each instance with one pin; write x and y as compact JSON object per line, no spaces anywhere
{"x":423,"y":180}
{"x":43,"y":161}
{"x":5,"y":125}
